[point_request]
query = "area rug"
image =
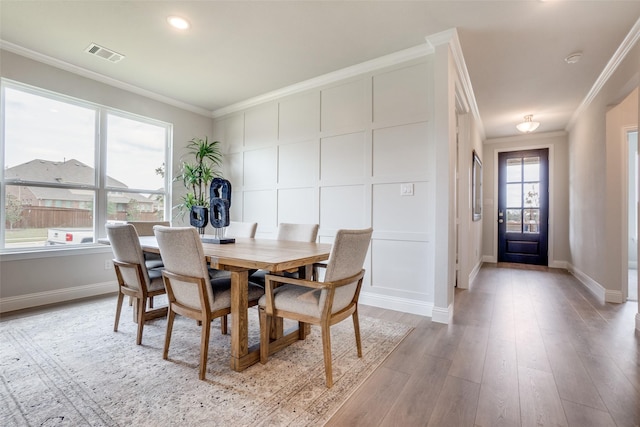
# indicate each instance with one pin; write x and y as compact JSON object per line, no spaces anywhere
{"x":68,"y":367}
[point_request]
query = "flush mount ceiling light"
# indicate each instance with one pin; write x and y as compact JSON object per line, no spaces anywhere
{"x":528,"y":125}
{"x":573,"y":58}
{"x":178,"y":22}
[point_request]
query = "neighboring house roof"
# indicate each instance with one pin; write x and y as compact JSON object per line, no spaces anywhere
{"x":68,"y":172}
{"x":71,"y":171}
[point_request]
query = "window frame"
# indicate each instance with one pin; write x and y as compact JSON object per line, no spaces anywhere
{"x":100,"y":188}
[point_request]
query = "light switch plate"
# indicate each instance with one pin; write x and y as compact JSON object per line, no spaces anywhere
{"x":406,"y":189}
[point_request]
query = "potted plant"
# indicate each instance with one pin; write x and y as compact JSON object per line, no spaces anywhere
{"x":196,"y":174}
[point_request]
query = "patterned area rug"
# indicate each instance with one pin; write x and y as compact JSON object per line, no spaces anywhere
{"x":67,"y":367}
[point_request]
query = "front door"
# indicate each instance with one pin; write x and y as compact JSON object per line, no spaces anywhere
{"x":523,"y":206}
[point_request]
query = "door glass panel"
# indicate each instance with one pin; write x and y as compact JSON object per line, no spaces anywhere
{"x":514,"y":220}
{"x":531,"y":221}
{"x":531,"y":169}
{"x":514,"y":195}
{"x":514,"y":170}
{"x":532,"y":195}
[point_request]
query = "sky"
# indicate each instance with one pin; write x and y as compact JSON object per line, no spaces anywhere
{"x":41,"y":128}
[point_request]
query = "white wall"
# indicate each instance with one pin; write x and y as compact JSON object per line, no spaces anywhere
{"x":593,"y":197}
{"x":557,"y":144}
{"x":338,"y":156}
{"x":30,"y":279}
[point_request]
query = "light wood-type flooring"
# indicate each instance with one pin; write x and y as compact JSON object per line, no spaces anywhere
{"x":526,"y":347}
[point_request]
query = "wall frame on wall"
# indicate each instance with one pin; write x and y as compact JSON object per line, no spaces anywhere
{"x":476,"y":187}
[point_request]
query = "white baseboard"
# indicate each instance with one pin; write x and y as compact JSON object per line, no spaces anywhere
{"x":59,"y":295}
{"x":594,"y":287}
{"x":559,"y":264}
{"x":474,"y":272}
{"x":442,"y":315}
{"x":613,"y":296}
{"x":405,"y":305}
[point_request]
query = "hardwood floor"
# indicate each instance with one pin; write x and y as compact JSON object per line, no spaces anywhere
{"x":526,"y":347}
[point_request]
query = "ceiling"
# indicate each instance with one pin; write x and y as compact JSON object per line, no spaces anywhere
{"x":237,"y":50}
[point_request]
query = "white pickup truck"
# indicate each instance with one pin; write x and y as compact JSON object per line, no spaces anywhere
{"x":69,"y":236}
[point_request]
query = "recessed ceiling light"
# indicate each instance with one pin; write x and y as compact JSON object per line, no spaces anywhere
{"x":573,"y":58}
{"x":178,"y":22}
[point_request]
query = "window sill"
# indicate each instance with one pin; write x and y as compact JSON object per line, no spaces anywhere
{"x":37,"y":253}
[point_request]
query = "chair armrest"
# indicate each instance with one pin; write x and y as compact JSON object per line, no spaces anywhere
{"x":312,"y":283}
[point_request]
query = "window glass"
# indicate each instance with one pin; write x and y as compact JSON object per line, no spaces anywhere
{"x":531,"y":169}
{"x":46,"y":140}
{"x":50,"y":185}
{"x":514,"y":195}
{"x":135,"y":151}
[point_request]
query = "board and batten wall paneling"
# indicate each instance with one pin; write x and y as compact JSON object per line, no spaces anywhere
{"x":339,"y":155}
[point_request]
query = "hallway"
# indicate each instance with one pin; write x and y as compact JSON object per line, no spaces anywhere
{"x":525,"y":347}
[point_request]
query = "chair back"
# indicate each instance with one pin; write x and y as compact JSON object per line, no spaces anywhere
{"x":241,"y":229}
{"x":126,"y":248}
{"x":347,"y":257}
{"x":145,"y":228}
{"x":298,"y":232}
{"x":182,"y":254}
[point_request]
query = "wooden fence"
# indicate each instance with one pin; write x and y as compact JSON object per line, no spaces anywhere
{"x":52,"y":217}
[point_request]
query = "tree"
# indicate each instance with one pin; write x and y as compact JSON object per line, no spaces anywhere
{"x":13,"y":210}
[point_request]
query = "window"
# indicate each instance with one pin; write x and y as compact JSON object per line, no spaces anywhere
{"x":68,"y":166}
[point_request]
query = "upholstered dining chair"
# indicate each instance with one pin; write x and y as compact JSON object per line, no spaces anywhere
{"x":145,"y":228}
{"x":236,"y":229}
{"x":241,"y":229}
{"x":190,"y":290}
{"x":290,"y":232}
{"x":316,"y":302}
{"x":134,"y":279}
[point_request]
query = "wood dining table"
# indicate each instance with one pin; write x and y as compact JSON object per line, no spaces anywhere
{"x":275,"y":256}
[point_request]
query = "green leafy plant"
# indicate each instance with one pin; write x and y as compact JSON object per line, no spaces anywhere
{"x":197,"y":173}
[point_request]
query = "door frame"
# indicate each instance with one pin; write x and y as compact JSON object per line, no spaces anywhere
{"x":551,"y":262}
{"x":624,"y":221}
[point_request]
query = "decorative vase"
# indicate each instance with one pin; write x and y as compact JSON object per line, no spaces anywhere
{"x":199,"y":218}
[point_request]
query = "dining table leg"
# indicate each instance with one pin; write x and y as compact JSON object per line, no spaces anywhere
{"x":240,"y":356}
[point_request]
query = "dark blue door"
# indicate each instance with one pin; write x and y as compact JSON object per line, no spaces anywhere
{"x":523,"y":206}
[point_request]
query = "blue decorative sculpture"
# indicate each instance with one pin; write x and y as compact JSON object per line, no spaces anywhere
{"x":219,"y":204}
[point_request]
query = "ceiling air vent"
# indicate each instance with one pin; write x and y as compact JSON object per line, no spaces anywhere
{"x":104,"y":53}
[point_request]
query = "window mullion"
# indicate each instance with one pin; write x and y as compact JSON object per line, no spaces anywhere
{"x":100,"y":215}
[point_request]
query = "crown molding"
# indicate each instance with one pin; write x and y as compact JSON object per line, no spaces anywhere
{"x":533,"y":136}
{"x":325,"y":79}
{"x":451,"y":38}
{"x":619,"y":55}
{"x":48,"y":60}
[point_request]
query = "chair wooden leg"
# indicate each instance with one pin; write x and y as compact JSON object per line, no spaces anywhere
{"x":167,"y":338}
{"x":326,"y":349}
{"x":265,"y":331}
{"x":150,"y":302}
{"x":118,"y":310}
{"x":224,"y":325}
{"x":204,"y":348}
{"x":142,"y":302}
{"x":356,"y":328}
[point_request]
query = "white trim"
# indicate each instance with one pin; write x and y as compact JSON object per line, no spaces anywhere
{"x":355,"y":70}
{"x":56,"y":251}
{"x":474,"y":273}
{"x":559,"y":264}
{"x":56,"y":296}
{"x":422,"y":308}
{"x":441,"y":315}
{"x":54,"y":62}
{"x":594,"y":287}
{"x":451,"y":36}
{"x":614,"y":296}
{"x":619,"y":55}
